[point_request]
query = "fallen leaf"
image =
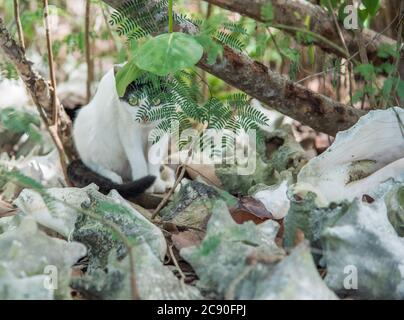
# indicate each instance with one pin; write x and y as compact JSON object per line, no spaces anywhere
{"x":6,"y":209}
{"x":187,"y":239}
{"x":250,"y":209}
{"x":205,"y":172}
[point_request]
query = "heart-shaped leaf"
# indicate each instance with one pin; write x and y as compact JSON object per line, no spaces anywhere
{"x":168,"y":53}
{"x":125,"y":76}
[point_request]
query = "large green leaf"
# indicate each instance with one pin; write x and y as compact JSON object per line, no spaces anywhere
{"x":127,"y":74}
{"x":168,"y":53}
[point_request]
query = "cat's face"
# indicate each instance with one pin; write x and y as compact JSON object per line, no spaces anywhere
{"x":134,"y":108}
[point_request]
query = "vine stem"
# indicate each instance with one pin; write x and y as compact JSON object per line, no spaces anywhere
{"x":170,"y":16}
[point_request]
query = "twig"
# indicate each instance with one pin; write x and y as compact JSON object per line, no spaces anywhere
{"x":90,"y":72}
{"x":365,"y":60}
{"x":177,"y":182}
{"x":39,"y":89}
{"x":313,"y":34}
{"x":400,"y":49}
{"x":111,"y":34}
{"x":170,"y":249}
{"x":18,"y":23}
{"x":347,"y":61}
{"x":170,"y":193}
{"x":55,"y":113}
{"x":338,"y":28}
{"x":231,"y":291}
{"x":53,"y":127}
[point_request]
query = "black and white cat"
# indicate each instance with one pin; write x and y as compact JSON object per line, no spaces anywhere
{"x":113,"y":144}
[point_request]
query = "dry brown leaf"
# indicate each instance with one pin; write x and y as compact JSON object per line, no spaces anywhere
{"x":206,"y":172}
{"x":6,"y":209}
{"x":250,"y":209}
{"x":187,"y":239}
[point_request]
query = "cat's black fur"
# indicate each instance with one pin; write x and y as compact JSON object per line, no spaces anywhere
{"x":81,"y":176}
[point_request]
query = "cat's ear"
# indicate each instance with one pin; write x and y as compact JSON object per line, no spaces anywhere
{"x":116,"y":69}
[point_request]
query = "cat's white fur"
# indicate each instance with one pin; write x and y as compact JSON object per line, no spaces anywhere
{"x":112,"y":143}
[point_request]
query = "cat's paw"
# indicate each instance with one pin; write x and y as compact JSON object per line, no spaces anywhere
{"x":159,"y":186}
{"x":168,"y":176}
{"x":115,"y":178}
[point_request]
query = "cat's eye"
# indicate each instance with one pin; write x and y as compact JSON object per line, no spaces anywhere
{"x":134,"y":101}
{"x":156,"y":101}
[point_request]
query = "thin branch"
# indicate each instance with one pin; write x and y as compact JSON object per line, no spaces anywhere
{"x":90,"y":70}
{"x":348,"y":61}
{"x":53,"y":128}
{"x":55,"y":109}
{"x":365,"y":60}
{"x":41,"y":94}
{"x":181,"y":169}
{"x":183,"y":277}
{"x":400,"y":49}
{"x":18,"y":23}
{"x":170,"y":193}
{"x":337,"y":26}
{"x":111,"y":34}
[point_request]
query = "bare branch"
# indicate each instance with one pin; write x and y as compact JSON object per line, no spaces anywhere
{"x":90,"y":69}
{"x":40,"y":92}
{"x":18,"y":23}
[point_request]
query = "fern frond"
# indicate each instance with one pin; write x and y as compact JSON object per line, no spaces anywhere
{"x":230,"y":40}
{"x":138,"y":18}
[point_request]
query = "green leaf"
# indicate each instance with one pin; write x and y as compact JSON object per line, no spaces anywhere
{"x":169,"y":53}
{"x":125,"y":76}
{"x":387,"y":87}
{"x":367,"y":71}
{"x":372,"y":6}
{"x":387,"y":50}
{"x":387,"y":67}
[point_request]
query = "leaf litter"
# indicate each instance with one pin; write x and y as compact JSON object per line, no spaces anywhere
{"x":339,"y":218}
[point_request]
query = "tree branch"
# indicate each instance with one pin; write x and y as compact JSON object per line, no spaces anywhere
{"x":294,"y":13}
{"x":38,"y":88}
{"x":316,"y":110}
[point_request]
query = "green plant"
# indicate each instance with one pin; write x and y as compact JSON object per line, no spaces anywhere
{"x":139,"y":19}
{"x":161,"y":69}
{"x":20,"y":122}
